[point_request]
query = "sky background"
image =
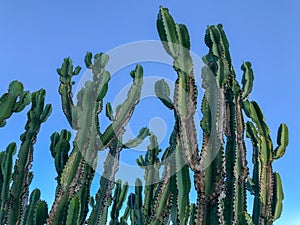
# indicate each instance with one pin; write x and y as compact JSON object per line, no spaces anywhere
{"x":35,"y":37}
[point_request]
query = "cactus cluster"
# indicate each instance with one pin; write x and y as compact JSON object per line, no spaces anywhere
{"x":218,"y":168}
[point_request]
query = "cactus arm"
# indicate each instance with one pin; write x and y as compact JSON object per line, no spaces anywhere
{"x":118,"y":200}
{"x":282,"y":141}
{"x":263,"y":176}
{"x":162,"y":91}
{"x":59,"y":148}
{"x":162,"y":204}
{"x":15,"y":100}
{"x":183,"y":184}
{"x":125,"y":216}
{"x":249,"y":220}
{"x":6,"y":161}
{"x":278,"y":197}
{"x":40,"y":213}
{"x":29,"y":210}
{"x":109,"y":112}
{"x":167,"y":31}
{"x":236,"y":164}
{"x":73,"y":212}
{"x":22,"y":175}
{"x":125,"y":111}
{"x":151,"y":166}
{"x":138,"y":213}
{"x":176,"y":41}
{"x":144,"y":132}
{"x":240,"y":167}
{"x":66,"y":73}
{"x":247,"y":80}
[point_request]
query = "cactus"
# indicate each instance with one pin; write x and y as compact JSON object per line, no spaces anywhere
{"x":15,"y":186}
{"x":267,"y":187}
{"x":219,"y":167}
{"x":15,"y":100}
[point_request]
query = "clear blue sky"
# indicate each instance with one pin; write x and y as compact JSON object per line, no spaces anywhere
{"x":35,"y":36}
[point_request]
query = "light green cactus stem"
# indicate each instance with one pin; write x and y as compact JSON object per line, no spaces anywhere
{"x":267,"y":185}
{"x":15,"y":100}
{"x":22,"y":176}
{"x":176,"y":41}
{"x":66,"y":73}
{"x":78,"y":170}
{"x":103,"y":197}
{"x":112,"y":137}
{"x":6,"y":162}
{"x":125,"y":110}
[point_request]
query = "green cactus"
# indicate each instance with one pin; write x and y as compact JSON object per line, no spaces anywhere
{"x":220,"y":171}
{"x":22,"y":176}
{"x":6,"y":161}
{"x":15,"y":100}
{"x":219,"y":168}
{"x":268,"y":194}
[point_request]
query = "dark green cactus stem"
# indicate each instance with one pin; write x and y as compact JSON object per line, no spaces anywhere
{"x":15,"y":100}
{"x":150,"y":163}
{"x":29,"y":210}
{"x":6,"y":162}
{"x":183,"y":184}
{"x":73,"y":214}
{"x":119,"y":198}
{"x":192,"y":215}
{"x":60,"y":146}
{"x":36,"y":212}
{"x":267,"y":185}
{"x":247,"y":80}
{"x":22,"y":176}
{"x":136,"y":204}
{"x":40,"y":213}
{"x":162,"y":91}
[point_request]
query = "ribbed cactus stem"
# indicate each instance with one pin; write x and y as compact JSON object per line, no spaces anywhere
{"x":23,"y":176}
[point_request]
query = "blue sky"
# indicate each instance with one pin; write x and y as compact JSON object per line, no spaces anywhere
{"x":36,"y":36}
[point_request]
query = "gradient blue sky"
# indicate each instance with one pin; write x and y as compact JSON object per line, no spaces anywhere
{"x":35,"y":36}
